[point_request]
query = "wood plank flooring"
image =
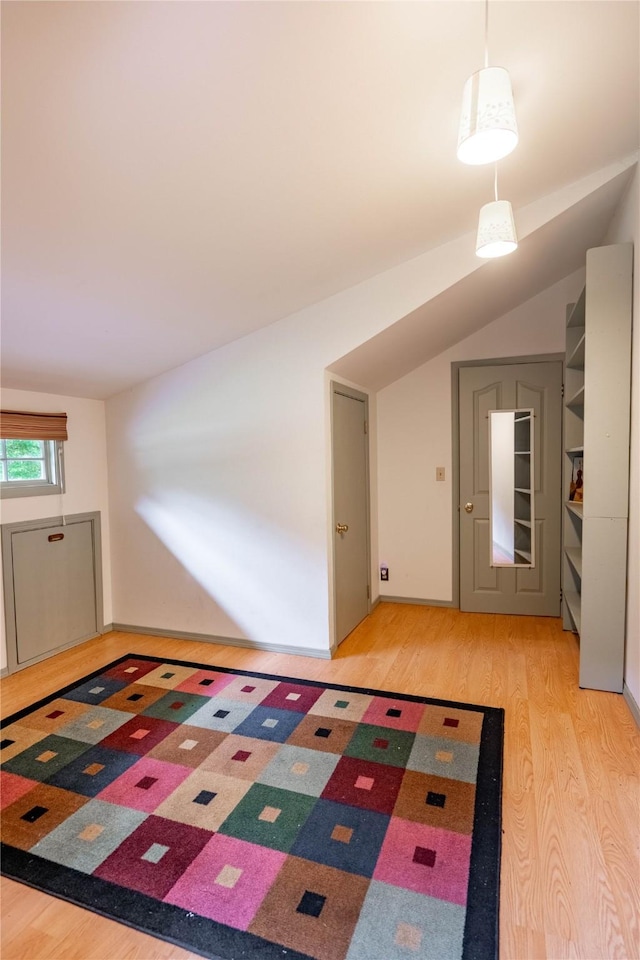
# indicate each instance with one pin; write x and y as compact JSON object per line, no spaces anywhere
{"x":571,"y":808}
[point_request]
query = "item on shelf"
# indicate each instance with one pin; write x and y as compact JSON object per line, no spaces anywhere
{"x":576,"y":488}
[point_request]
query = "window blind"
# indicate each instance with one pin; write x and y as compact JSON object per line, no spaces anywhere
{"x":25,"y":425}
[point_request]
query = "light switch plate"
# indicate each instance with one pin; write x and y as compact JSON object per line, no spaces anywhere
{"x":439,"y":473}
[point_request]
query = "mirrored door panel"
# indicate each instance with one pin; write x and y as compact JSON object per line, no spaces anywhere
{"x":511,"y":487}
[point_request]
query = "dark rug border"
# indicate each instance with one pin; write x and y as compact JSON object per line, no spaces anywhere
{"x":195,"y":933}
{"x":162,"y":920}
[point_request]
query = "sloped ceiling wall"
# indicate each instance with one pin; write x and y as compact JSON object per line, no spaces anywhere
{"x":180,"y":175}
{"x":545,"y":255}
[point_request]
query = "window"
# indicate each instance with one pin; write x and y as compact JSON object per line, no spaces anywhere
{"x":31,"y":454}
{"x":30,"y":467}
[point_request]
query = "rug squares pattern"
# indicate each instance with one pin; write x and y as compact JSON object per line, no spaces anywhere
{"x":245,"y":815}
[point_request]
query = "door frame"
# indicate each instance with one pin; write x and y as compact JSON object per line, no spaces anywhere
{"x":341,"y":388}
{"x":455,"y":446}
{"x":8,"y":529}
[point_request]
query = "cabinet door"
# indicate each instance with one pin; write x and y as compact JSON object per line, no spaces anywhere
{"x":54,"y":588}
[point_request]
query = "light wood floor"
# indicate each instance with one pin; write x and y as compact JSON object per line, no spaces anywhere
{"x":571,"y":810}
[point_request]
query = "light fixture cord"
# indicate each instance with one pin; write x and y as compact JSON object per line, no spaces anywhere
{"x":486,"y":33}
{"x":495,"y":181}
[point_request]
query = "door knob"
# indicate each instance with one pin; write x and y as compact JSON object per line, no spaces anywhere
{"x":469,"y":507}
{"x":342,"y":527}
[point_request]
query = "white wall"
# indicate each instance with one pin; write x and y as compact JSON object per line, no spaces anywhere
{"x":414,"y":437}
{"x":219,"y":480}
{"x":219,"y":485}
{"x":218,"y":469}
{"x":85,"y":463}
{"x":625,"y":228}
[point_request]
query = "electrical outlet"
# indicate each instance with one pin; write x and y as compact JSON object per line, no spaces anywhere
{"x":384,"y":572}
{"x":439,"y":473}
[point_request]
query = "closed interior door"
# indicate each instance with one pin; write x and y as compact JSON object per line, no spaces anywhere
{"x":351,"y":511}
{"x":484,"y":587}
{"x":54,"y":588}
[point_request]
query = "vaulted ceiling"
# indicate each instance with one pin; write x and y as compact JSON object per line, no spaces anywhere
{"x":177,"y":175}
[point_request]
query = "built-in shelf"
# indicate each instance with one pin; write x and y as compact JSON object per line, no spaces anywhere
{"x":577,"y":400}
{"x":526,"y":490}
{"x":576,"y":317}
{"x":522,"y":453}
{"x":595,"y":534}
{"x":572,"y":599}
{"x":574,"y":556}
{"x":522,"y":523}
{"x":576,"y":360}
{"x":525,"y":554}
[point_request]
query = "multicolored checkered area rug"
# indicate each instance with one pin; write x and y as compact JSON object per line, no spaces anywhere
{"x":243,"y":815}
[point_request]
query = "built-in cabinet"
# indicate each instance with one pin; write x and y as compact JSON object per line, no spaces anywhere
{"x":52,"y":585}
{"x":597,"y":396}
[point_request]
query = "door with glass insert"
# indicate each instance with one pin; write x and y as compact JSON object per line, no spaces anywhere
{"x":510,"y":488}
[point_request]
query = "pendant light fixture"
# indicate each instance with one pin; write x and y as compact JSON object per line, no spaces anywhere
{"x":496,"y":228}
{"x":488,"y":129}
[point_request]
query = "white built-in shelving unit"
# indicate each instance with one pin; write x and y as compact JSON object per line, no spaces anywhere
{"x":596,"y":428}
